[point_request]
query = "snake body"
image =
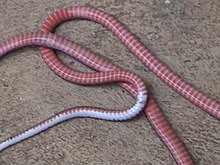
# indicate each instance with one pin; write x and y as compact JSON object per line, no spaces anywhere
{"x":107,"y":72}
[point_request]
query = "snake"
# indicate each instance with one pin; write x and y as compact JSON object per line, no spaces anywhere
{"x":107,"y":72}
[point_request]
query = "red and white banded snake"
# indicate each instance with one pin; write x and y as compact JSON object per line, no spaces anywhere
{"x":108,"y":72}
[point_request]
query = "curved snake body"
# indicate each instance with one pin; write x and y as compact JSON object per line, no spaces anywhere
{"x":108,"y":72}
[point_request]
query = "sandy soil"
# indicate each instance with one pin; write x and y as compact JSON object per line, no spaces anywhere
{"x":183,"y":34}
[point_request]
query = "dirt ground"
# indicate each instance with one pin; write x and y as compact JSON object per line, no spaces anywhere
{"x":184,"y":34}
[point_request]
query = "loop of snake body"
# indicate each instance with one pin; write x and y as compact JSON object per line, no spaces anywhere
{"x":107,"y":72}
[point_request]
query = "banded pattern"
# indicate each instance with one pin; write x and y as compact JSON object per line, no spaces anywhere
{"x":108,"y":72}
{"x":159,"y":122}
{"x":87,"y":57}
{"x":58,"y":43}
